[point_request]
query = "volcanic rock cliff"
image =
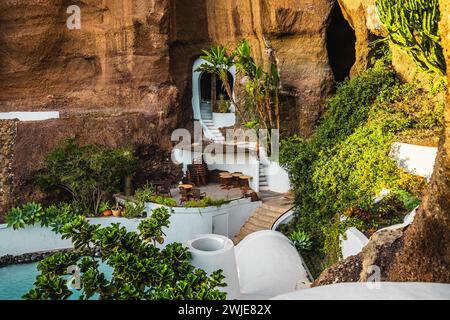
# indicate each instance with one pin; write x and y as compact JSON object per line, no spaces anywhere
{"x":125,"y":76}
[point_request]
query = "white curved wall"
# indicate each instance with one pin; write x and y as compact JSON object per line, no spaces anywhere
{"x":373,"y":291}
{"x":269,"y":265}
{"x":184,"y":224}
{"x":277,"y":178}
{"x":30,"y":116}
{"x":213,"y":252}
{"x":353,"y":242}
{"x":415,"y":159}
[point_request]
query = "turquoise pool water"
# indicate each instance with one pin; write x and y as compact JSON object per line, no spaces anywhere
{"x":16,"y":280}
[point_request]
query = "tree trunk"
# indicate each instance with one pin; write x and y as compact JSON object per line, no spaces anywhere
{"x":213,"y":92}
{"x":425,"y":255}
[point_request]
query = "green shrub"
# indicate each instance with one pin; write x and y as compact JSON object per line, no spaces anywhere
{"x":413,"y":26}
{"x":89,"y":173}
{"x":54,"y":216}
{"x":133,"y":209}
{"x":164,"y":201}
{"x":141,"y":270}
{"x":145,"y":193}
{"x":301,"y":241}
{"x":206,"y":202}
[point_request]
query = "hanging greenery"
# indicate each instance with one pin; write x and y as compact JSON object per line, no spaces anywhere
{"x":413,"y":25}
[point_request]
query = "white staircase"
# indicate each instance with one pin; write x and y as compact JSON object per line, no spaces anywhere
{"x":263,"y":184}
{"x":207,"y":119}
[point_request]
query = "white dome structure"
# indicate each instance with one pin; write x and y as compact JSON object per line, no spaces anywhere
{"x":269,"y":265}
{"x":373,"y":291}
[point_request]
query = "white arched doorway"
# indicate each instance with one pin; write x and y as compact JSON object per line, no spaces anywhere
{"x":197,"y":86}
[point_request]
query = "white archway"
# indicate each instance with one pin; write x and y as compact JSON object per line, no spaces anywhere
{"x":196,"y":86}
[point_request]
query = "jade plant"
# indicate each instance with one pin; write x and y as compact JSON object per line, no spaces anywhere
{"x":140,"y":269}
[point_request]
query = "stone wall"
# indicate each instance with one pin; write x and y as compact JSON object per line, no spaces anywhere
{"x":7,"y":139}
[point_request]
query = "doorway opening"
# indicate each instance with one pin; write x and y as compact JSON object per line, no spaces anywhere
{"x":341,"y":40}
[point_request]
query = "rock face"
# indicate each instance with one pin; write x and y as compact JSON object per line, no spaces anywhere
{"x":118,"y":60}
{"x":425,"y":255}
{"x":110,"y":80}
{"x":362,"y":17}
{"x":422,"y":252}
{"x":125,"y":76}
{"x":292,"y":32}
{"x":7,"y":137}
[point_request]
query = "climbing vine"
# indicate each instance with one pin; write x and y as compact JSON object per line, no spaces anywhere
{"x":413,"y":25}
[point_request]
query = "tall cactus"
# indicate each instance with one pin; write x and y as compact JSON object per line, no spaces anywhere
{"x":413,"y":25}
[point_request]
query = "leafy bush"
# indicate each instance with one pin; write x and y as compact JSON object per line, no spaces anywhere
{"x":133,"y":209}
{"x":54,"y":216}
{"x":141,"y":271}
{"x":145,"y":193}
{"x":164,"y":201}
{"x":89,"y":173}
{"x":206,"y":202}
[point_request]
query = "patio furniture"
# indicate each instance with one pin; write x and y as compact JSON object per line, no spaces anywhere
{"x":184,"y":193}
{"x":197,"y":195}
{"x":201,"y":173}
{"x":164,"y":190}
{"x":236,"y":182}
{"x":227,"y":181}
{"x":244,"y":181}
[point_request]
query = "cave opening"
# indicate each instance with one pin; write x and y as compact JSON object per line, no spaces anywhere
{"x":207,"y":81}
{"x":341,"y":40}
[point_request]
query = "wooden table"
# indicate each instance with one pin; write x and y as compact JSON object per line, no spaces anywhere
{"x":245,"y":181}
{"x":186,"y":186}
{"x":226,"y":181}
{"x":236,"y":176}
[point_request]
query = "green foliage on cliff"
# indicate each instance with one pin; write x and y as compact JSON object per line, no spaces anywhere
{"x":346,"y":163}
{"x":89,"y":173}
{"x":413,"y":25}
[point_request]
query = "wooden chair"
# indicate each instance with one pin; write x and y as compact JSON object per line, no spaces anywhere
{"x":165,"y":190}
{"x":184,"y":195}
{"x":197,"y":195}
{"x":201,"y":173}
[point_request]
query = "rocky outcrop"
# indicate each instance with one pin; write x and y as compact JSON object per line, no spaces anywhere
{"x":422,"y":252}
{"x":425,"y":255}
{"x":291,"y":32}
{"x":8,"y":130}
{"x":373,"y":263}
{"x":363,"y":17}
{"x":110,"y":80}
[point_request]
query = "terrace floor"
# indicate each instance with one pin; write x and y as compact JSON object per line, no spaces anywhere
{"x":213,"y":191}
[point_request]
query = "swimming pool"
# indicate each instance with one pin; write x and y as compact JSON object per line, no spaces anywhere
{"x":17,"y":280}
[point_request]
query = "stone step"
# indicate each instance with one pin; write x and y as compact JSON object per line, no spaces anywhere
{"x":265,"y":218}
{"x":275,"y":209}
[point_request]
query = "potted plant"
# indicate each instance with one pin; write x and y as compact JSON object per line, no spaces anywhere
{"x":105,"y":209}
{"x":117,"y":210}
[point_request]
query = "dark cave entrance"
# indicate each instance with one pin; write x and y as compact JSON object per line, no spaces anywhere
{"x":341,"y":42}
{"x":206,"y":86}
